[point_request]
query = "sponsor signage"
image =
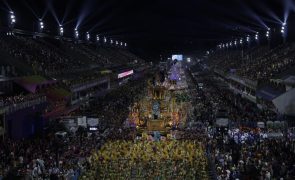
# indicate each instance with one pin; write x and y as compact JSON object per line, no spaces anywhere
{"x":124,"y":74}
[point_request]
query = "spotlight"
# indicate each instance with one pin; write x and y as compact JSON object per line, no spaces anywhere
{"x":267,"y":33}
{"x":87,"y":36}
{"x":283,"y":28}
{"x":61,"y":30}
{"x":41,"y":25}
{"x":12,"y":19}
{"x":76,"y":33}
{"x":256,"y":36}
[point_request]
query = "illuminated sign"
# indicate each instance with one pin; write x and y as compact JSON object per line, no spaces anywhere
{"x":124,"y":74}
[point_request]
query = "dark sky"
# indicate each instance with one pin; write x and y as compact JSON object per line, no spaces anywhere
{"x":154,"y":26}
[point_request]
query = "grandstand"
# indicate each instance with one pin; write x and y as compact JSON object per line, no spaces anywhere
{"x":147,"y":90}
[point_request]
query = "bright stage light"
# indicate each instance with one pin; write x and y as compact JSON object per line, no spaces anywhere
{"x":61,"y":30}
{"x":87,"y":36}
{"x":256,"y":36}
{"x":241,"y":41}
{"x":283,"y":28}
{"x":12,"y":18}
{"x":41,"y":25}
{"x":76,"y":33}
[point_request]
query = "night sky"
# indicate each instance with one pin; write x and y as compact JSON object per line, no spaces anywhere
{"x":153,"y":26}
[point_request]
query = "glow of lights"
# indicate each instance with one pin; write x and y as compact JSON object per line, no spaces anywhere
{"x":76,"y":33}
{"x":241,"y":41}
{"x":87,"y":36}
{"x":41,"y":25}
{"x":267,"y":33}
{"x":188,"y":59}
{"x":12,"y":18}
{"x":125,"y":44}
{"x":112,"y":41}
{"x":116,"y":42}
{"x":235,"y":42}
{"x":105,"y":39}
{"x":97,"y":37}
{"x":283,"y":28}
{"x":124,"y":74}
{"x":121,"y":43}
{"x":256,"y":36}
{"x":61,"y":30}
{"x":230,"y":44}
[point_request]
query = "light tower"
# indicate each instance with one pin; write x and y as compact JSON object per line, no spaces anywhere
{"x":12,"y":19}
{"x":87,"y":36}
{"x":76,"y":33}
{"x":97,"y":38}
{"x":61,"y":30}
{"x":41,"y":25}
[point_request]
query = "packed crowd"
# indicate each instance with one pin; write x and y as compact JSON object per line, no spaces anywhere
{"x":67,"y":157}
{"x":16,"y":99}
{"x":238,"y":152}
{"x":257,"y":63}
{"x":53,"y":58}
{"x":147,"y":158}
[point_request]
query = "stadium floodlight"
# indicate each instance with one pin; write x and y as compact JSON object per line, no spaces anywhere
{"x":61,"y":30}
{"x":76,"y":33}
{"x":12,"y":18}
{"x":256,"y":35}
{"x":41,"y":25}
{"x":283,"y":28}
{"x":248,"y":38}
{"x":87,"y":36}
